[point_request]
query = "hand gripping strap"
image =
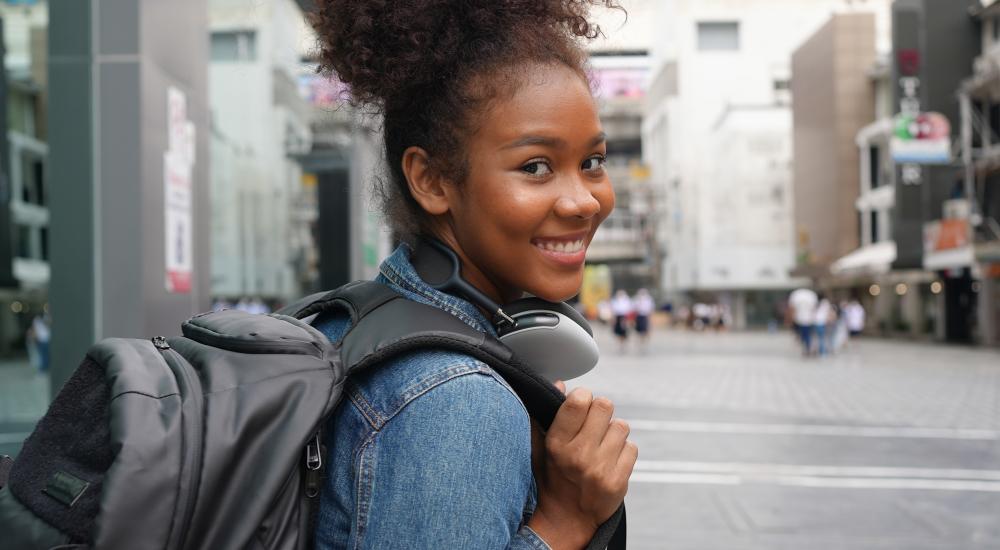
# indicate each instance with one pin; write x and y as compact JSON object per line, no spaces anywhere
{"x":397,"y":325}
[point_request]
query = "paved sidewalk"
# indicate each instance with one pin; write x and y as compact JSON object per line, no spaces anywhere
{"x":745,"y":445}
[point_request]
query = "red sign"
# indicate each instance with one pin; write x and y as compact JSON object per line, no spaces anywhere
{"x":908,"y":62}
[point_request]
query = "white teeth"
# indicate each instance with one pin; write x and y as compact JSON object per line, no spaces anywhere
{"x":562,"y":247}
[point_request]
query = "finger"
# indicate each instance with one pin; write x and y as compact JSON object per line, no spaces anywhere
{"x":571,"y":415}
{"x":614,"y":439}
{"x":561,"y":386}
{"x":597,"y":422}
{"x":627,"y":459}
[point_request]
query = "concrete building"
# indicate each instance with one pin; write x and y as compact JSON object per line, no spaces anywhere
{"x":24,"y":202}
{"x":979,"y":97}
{"x":934,"y":45}
{"x":832,"y":99}
{"x":713,"y":58}
{"x":261,"y":236}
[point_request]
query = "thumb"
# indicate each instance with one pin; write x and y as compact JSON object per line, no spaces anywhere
{"x":561,"y":386}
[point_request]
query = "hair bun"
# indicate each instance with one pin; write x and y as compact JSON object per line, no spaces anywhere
{"x":388,"y":50}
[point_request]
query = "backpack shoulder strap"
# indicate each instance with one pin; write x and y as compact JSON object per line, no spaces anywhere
{"x":400,"y":325}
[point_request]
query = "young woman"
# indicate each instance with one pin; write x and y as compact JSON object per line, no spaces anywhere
{"x":493,"y":146}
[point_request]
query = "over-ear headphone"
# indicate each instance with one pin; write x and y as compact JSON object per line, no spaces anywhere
{"x":551,"y":338}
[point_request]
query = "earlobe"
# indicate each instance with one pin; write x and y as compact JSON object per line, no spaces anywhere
{"x":426,"y":185}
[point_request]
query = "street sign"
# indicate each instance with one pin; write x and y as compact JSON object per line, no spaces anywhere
{"x":921,"y":138}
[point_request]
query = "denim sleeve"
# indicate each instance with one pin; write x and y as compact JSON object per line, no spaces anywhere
{"x":452,"y":469}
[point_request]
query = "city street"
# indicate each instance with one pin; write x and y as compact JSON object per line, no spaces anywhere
{"x":745,"y":445}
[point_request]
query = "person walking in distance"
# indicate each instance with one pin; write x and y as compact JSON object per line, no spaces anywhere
{"x":854,"y":313}
{"x":494,"y":149}
{"x":823,"y":316}
{"x":802,"y":303}
{"x":622,"y":309}
{"x":644,"y":307}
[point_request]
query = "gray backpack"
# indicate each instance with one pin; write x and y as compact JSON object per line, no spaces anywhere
{"x":212,"y":440}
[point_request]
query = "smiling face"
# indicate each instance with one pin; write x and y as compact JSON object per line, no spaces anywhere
{"x":536,"y":190}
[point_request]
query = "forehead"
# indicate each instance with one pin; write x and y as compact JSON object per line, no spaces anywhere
{"x":549,"y":101}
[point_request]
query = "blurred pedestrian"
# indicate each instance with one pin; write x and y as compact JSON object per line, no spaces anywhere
{"x":802,"y":303}
{"x":854,"y":314}
{"x":702,"y":316}
{"x":39,"y":335}
{"x":824,"y":313}
{"x":840,"y":333}
{"x":644,"y":307}
{"x":622,"y":308}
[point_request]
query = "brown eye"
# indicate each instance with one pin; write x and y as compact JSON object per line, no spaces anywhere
{"x":537,"y":168}
{"x":593,"y":164}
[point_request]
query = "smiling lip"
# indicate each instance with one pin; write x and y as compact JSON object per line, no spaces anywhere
{"x":567,"y":250}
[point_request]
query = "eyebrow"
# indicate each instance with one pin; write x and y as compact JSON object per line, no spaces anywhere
{"x":553,"y":142}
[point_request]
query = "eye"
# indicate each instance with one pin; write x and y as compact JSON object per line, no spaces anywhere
{"x":537,"y":168}
{"x":594,"y":163}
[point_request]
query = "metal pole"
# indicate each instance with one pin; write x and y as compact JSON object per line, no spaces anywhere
{"x":965,"y":104}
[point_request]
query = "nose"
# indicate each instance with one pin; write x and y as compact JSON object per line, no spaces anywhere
{"x":578,"y":200}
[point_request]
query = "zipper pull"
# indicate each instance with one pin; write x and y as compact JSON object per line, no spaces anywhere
{"x":160,"y":342}
{"x":314,"y":465}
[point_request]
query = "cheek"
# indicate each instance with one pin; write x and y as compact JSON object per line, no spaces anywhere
{"x":512,"y":207}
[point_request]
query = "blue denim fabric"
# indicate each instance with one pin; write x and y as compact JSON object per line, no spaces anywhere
{"x":431,"y":450}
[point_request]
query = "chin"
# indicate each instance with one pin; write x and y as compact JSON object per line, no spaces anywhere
{"x":561,"y":291}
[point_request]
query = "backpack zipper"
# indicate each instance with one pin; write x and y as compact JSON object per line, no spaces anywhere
{"x":193,"y":454}
{"x":314,"y":465}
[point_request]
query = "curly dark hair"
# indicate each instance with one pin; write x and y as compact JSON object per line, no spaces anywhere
{"x":429,"y":66}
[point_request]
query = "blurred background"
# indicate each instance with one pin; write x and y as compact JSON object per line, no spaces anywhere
{"x":164,"y":158}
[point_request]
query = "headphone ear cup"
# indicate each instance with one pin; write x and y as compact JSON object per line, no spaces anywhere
{"x":537,"y":304}
{"x":552,"y":339}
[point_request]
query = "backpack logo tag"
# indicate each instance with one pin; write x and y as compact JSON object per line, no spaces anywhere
{"x":65,"y":488}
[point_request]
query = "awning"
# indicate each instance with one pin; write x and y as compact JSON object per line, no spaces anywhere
{"x":873,"y":259}
{"x":952,"y":258}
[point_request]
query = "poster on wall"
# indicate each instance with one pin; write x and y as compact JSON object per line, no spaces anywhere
{"x":178,"y":161}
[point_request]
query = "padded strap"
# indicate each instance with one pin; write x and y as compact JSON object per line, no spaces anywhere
{"x":357,"y":298}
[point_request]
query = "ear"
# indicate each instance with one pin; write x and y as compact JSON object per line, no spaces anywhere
{"x":426,"y":185}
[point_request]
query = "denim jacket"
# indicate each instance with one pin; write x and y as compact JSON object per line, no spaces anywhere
{"x":430,"y":450}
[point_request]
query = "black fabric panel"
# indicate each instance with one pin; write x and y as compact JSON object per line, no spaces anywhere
{"x":72,"y":437}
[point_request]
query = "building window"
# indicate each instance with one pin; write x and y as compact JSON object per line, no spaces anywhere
{"x":718,"y":36}
{"x":874,"y":227}
{"x":234,"y":46}
{"x":994,"y":122}
{"x":874,"y":166}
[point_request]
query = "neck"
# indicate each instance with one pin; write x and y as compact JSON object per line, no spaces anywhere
{"x":474,"y":276}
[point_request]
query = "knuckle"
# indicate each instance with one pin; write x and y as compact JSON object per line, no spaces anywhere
{"x":603,"y":404}
{"x":622,"y":426}
{"x":580,"y":397}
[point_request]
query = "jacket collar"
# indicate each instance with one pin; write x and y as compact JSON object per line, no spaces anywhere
{"x":397,"y":271}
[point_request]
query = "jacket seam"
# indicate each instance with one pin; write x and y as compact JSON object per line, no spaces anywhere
{"x":453,"y":375}
{"x":375,"y":421}
{"x":366,"y":481}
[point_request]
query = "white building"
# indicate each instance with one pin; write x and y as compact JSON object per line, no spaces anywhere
{"x":260,"y":123}
{"x":717,"y":135}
